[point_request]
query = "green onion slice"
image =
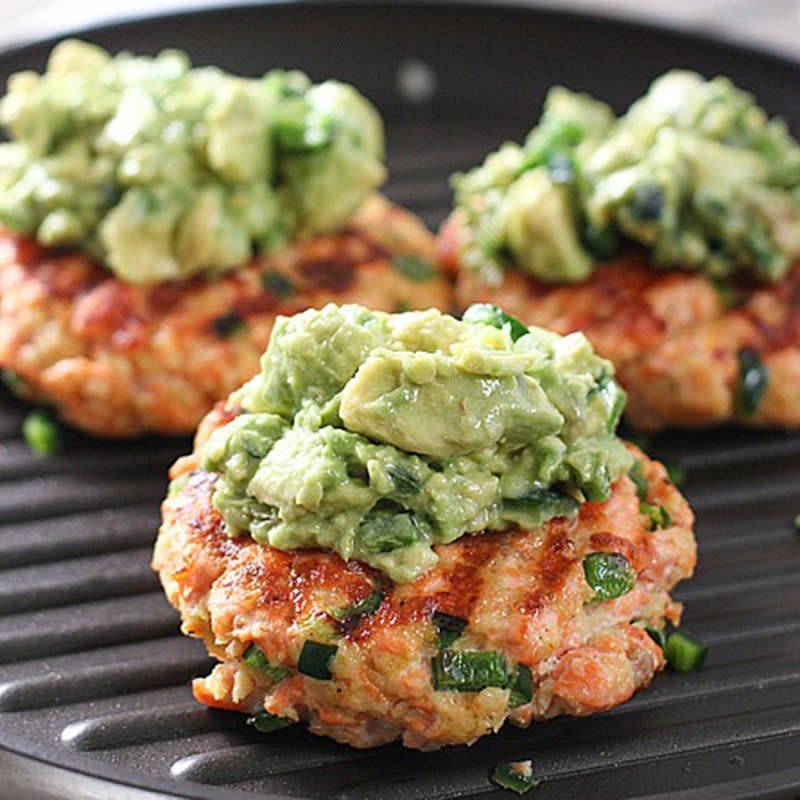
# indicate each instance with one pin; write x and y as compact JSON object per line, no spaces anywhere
{"x":469,"y":670}
{"x":684,"y":653}
{"x":448,"y":627}
{"x":636,"y":474}
{"x":521,"y":687}
{"x":609,"y":574}
{"x":752,"y":382}
{"x":41,"y":433}
{"x":488,"y":314}
{"x":369,"y":605}
{"x":657,"y":635}
{"x":516,"y":776}
{"x":254,"y":657}
{"x":316,"y":659}
{"x":228,"y":324}
{"x":658,"y":515}
{"x":414,"y":267}
{"x":268,"y":723}
{"x":676,"y":473}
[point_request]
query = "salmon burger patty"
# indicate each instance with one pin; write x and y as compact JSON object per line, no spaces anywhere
{"x":505,"y":626}
{"x":117,"y":359}
{"x":688,"y":353}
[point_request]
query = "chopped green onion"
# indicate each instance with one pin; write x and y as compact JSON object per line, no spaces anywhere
{"x":404,"y":482}
{"x":521,"y":691}
{"x":228,"y":324}
{"x":488,"y":314}
{"x":303,"y":133}
{"x":469,"y":670}
{"x":797,"y":523}
{"x":752,"y":382}
{"x":539,"y":506}
{"x":415,"y":268}
{"x":369,"y":605}
{"x":277,"y":283}
{"x":727,"y":294}
{"x":268,"y":723}
{"x":254,"y":657}
{"x":636,"y":474}
{"x":13,"y":381}
{"x":316,"y":659}
{"x":676,"y":473}
{"x":657,"y":635}
{"x":516,"y":776}
{"x":609,"y":574}
{"x":658,"y":515}
{"x":449,"y":628}
{"x":41,"y":433}
{"x":684,"y":653}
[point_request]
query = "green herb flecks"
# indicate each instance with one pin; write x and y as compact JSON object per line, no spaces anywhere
{"x":414,"y":267}
{"x":488,"y":314}
{"x":658,"y":515}
{"x":609,"y":574}
{"x":751,"y":383}
{"x":254,"y":657}
{"x":41,"y":433}
{"x":469,"y":671}
{"x":515,"y":776}
{"x":268,"y":723}
{"x":316,"y":660}
{"x":684,"y":653}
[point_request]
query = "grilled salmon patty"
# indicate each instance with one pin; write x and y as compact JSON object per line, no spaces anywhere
{"x":676,"y":341}
{"x":120,"y":360}
{"x":521,"y":594}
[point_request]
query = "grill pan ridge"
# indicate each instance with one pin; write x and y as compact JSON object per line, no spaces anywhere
{"x":94,"y":697}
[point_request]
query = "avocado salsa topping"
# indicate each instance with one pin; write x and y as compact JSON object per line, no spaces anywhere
{"x":379,"y":435}
{"x":695,"y":171}
{"x":163,"y":172}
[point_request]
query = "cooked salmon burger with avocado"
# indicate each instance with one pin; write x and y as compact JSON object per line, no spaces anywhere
{"x":156,"y":218}
{"x":413,"y":527}
{"x":670,"y":236}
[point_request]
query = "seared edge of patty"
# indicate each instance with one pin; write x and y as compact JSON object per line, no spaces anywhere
{"x":523,"y":594}
{"x":120,"y":360}
{"x":674,"y":341}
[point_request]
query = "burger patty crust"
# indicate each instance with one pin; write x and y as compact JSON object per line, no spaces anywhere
{"x":120,"y":360}
{"x":675,"y":338}
{"x":521,"y":593}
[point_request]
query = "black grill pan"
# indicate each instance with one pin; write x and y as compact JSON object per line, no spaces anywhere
{"x":94,"y":698}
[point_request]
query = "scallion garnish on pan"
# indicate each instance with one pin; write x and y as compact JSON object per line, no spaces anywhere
{"x":41,"y":433}
{"x":516,"y":776}
{"x":268,"y":723}
{"x":684,"y":653}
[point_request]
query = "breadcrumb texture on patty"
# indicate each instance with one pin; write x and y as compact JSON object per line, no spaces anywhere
{"x":674,"y":342}
{"x":523,"y":593}
{"x":118,"y":360}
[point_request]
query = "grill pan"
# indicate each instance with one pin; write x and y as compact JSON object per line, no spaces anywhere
{"x":94,"y":697}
